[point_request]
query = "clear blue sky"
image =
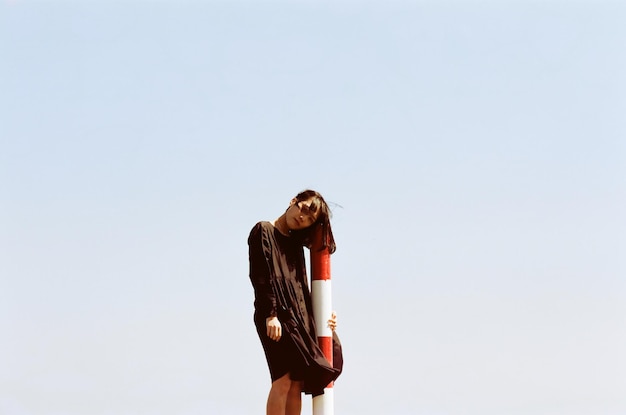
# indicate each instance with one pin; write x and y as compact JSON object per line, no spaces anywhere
{"x":476,"y":152}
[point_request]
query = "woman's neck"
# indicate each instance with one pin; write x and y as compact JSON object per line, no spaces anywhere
{"x":281,"y":225}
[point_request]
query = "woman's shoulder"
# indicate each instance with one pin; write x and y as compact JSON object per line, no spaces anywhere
{"x":260,"y":228}
{"x":263,"y":226}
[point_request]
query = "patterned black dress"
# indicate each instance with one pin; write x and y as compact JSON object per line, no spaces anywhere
{"x":278,"y":275}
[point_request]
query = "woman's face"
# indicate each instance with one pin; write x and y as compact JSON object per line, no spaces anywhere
{"x":299,"y":216}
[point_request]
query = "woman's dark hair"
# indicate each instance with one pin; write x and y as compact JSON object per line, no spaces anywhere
{"x":318,"y":204}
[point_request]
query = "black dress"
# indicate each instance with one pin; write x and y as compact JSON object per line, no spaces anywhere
{"x":278,"y":275}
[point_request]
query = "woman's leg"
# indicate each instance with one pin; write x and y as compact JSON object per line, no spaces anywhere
{"x":294,"y":398}
{"x":277,"y":399}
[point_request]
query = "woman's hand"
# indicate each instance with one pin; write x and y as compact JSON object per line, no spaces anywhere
{"x":332,"y":323}
{"x":274,"y":328}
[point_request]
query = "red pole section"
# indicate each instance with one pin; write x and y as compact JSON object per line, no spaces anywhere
{"x":321,"y":295}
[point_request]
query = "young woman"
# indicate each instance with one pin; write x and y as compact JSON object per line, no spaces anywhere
{"x":283,"y":311}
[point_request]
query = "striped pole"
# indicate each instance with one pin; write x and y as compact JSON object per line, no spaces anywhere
{"x":322,"y":309}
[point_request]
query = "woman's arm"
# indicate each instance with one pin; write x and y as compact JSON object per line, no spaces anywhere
{"x":264,"y":296}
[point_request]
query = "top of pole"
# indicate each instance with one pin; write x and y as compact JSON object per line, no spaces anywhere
{"x":320,"y":257}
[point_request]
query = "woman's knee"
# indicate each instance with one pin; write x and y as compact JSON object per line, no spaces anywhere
{"x":282,"y":384}
{"x":296,"y":386}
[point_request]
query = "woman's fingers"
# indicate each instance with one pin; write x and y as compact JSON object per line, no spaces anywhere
{"x":332,"y":323}
{"x":274,"y":328}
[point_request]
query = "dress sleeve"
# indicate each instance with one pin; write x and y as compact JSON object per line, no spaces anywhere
{"x":260,"y":276}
